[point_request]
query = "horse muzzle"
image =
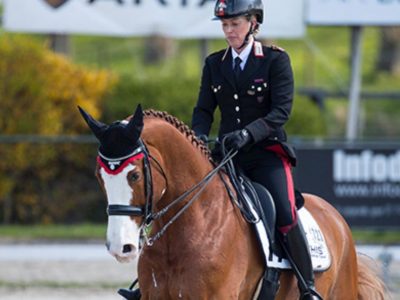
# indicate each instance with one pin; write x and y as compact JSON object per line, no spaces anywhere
{"x":123,"y":253}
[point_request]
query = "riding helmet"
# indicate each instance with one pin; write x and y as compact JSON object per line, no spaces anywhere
{"x":225,"y":9}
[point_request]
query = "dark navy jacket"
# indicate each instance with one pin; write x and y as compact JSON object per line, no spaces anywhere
{"x":261,"y":102}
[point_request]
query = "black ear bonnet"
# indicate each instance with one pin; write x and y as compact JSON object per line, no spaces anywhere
{"x":119,"y":139}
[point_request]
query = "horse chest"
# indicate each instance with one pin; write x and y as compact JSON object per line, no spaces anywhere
{"x":180,"y":278}
{"x":181,"y":284}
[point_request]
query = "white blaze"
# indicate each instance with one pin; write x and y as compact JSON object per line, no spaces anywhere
{"x":121,"y":230}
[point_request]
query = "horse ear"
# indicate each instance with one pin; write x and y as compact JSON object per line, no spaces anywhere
{"x":97,"y":127}
{"x":135,"y":125}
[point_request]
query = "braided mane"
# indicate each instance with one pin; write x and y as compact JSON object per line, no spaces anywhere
{"x":182,"y":127}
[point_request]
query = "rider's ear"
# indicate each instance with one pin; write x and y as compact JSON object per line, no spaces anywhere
{"x":135,"y":125}
{"x":97,"y":127}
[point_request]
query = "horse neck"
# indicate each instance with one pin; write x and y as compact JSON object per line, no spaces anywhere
{"x":185,"y":164}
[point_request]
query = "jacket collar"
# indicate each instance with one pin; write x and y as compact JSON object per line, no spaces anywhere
{"x":254,"y":62}
{"x":244,"y":55}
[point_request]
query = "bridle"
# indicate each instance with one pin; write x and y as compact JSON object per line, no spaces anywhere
{"x":139,"y":210}
{"x":146,"y":211}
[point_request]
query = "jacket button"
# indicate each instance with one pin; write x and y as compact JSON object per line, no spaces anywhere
{"x":238,"y":120}
{"x":235,"y":96}
{"x":237,"y":108}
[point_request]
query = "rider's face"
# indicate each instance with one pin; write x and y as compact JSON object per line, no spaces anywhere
{"x":235,"y":30}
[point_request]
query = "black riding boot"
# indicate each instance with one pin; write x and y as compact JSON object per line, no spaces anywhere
{"x":130,"y":294}
{"x":299,"y":250}
{"x":270,"y":284}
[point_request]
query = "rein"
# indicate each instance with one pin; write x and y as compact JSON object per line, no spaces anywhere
{"x":201,"y":186}
{"x":146,"y":211}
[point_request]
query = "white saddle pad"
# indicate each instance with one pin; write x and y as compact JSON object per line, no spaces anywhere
{"x":320,"y":256}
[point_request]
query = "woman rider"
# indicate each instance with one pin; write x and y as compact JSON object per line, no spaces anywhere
{"x":252,"y":85}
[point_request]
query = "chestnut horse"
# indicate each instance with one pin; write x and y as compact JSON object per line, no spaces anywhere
{"x":201,"y":247}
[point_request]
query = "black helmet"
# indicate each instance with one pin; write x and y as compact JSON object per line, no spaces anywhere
{"x":225,"y":9}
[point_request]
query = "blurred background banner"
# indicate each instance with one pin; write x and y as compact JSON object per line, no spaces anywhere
{"x":170,"y":18}
{"x":353,"y":12}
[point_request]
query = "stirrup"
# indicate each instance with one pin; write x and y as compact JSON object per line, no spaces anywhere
{"x":130,"y":294}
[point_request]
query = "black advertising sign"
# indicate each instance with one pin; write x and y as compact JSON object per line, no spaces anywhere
{"x":363,"y":183}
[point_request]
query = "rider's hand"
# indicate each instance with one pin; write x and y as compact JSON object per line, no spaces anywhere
{"x":237,"y":139}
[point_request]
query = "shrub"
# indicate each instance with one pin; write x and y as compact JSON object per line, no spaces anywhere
{"x":39,"y":93}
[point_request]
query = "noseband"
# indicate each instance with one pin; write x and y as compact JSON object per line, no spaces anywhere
{"x":125,"y":210}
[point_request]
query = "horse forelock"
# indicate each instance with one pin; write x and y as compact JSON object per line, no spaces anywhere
{"x":181,"y":127}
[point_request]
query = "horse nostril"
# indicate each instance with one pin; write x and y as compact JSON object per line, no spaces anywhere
{"x":127,"y":248}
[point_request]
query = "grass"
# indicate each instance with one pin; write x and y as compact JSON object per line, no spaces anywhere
{"x":63,"y":285}
{"x":53,"y":232}
{"x":381,"y":237}
{"x":82,"y":232}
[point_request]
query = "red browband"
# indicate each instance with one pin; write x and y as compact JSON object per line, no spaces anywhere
{"x":118,"y":169}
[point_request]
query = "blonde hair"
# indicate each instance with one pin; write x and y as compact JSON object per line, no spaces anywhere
{"x":253,"y":18}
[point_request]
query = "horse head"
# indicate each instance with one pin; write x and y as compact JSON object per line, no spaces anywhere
{"x":123,"y":173}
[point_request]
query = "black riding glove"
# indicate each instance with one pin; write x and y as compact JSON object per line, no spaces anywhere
{"x":237,"y":139}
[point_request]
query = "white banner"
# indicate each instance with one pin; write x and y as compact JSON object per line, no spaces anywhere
{"x":173,"y":18}
{"x":353,"y":12}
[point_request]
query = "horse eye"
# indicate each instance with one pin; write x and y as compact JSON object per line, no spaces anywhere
{"x":133,"y":177}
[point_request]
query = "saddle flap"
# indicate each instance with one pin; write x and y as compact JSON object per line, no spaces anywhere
{"x":320,"y":256}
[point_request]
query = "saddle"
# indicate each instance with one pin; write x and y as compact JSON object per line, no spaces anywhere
{"x":256,"y":204}
{"x":255,"y":195}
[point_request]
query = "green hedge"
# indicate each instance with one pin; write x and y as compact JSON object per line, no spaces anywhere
{"x":178,"y":97}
